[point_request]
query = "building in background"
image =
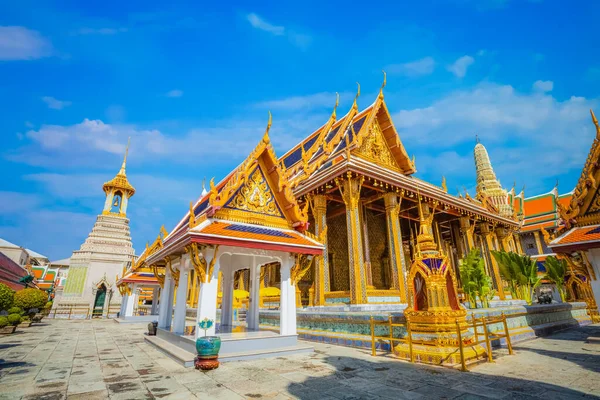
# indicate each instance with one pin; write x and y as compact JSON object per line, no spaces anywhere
{"x":106,"y":252}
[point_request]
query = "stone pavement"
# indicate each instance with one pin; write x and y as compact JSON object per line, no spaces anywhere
{"x":101,"y":359}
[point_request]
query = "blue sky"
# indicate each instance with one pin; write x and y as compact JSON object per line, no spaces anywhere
{"x":192,"y":83}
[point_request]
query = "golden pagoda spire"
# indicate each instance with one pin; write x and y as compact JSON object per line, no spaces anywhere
{"x":124,"y":165}
{"x":425,"y":238}
{"x":337,"y":103}
{"x":120,"y":182}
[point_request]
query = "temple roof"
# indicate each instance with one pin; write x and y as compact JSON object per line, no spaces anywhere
{"x":144,"y":278}
{"x":578,"y":238}
{"x":542,"y":211}
{"x":584,"y":206}
{"x":11,"y":272}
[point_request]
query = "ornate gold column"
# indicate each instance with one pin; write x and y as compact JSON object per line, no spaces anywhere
{"x":503,"y":238}
{"x":538,"y":242}
{"x":394,"y":234}
{"x":466,"y":230}
{"x":350,"y":190}
{"x":366,"y":247}
{"x":517,"y":241}
{"x":321,"y":278}
{"x":487,"y":234}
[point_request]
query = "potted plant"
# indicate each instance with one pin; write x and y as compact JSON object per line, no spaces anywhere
{"x":5,"y":328}
{"x":207,"y":348}
{"x":25,"y":322}
{"x":14,"y":320}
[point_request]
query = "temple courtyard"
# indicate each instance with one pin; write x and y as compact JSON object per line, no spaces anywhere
{"x":97,"y":359}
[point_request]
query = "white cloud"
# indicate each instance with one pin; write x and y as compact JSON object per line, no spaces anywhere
{"x":528,"y":135}
{"x":29,"y":124}
{"x":263,"y":25}
{"x":55,"y":104}
{"x":299,"y":40}
{"x":307,"y":102}
{"x":20,"y":43}
{"x":100,"y":31}
{"x":94,"y":143}
{"x":424,"y":66}
{"x":174,"y":93}
{"x":460,"y":66}
{"x":543,"y":86}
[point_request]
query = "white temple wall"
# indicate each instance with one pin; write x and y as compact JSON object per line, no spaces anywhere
{"x":594,"y":258}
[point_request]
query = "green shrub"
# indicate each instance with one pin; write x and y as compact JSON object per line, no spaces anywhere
{"x":30,"y":298}
{"x":48,"y":305}
{"x":3,"y":322}
{"x":25,"y":319}
{"x":6,"y":297}
{"x":14,"y":319}
{"x":15,"y":310}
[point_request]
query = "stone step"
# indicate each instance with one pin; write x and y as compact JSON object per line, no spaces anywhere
{"x":186,"y":358}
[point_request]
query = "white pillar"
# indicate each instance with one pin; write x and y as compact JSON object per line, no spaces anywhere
{"x":287,"y":299}
{"x":227,"y":299}
{"x":181,"y":303}
{"x":252,"y":316}
{"x":166,"y":297}
{"x":131,"y":302}
{"x":207,"y":298}
{"x":154,"y":308}
{"x":124,"y":301}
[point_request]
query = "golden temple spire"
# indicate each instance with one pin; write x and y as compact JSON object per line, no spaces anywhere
{"x":120,"y":182}
{"x":355,"y":104}
{"x":425,"y":238}
{"x":337,"y":103}
{"x":124,"y":165}
{"x":595,"y":121}
{"x":382,"y":85}
{"x":444,"y":184}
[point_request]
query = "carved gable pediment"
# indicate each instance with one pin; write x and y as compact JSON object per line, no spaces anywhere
{"x":374,"y":147}
{"x":255,"y":196}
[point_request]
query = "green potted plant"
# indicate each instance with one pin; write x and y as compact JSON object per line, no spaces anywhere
{"x":25,"y":322}
{"x":14,"y":320}
{"x":556,"y":269}
{"x":31,"y":298}
{"x":207,"y":348}
{"x":5,"y":327}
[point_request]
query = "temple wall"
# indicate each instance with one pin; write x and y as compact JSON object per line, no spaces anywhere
{"x":337,"y":240}
{"x":376,"y":225}
{"x":353,"y":328}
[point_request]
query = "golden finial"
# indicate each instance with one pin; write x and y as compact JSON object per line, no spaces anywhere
{"x":122,"y":171}
{"x":355,"y":104}
{"x":444,"y":184}
{"x":383,"y":84}
{"x":595,"y":123}
{"x":413,"y":160}
{"x":266,"y":135}
{"x":337,"y":102}
{"x":476,"y":138}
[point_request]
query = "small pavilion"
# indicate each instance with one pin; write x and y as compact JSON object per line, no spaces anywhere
{"x":248,"y":220}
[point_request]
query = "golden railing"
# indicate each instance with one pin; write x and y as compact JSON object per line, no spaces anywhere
{"x":61,"y":310}
{"x":475,"y":324}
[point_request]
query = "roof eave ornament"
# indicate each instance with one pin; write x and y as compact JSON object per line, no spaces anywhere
{"x":595,"y":121}
{"x":383,"y":84}
{"x":355,"y":103}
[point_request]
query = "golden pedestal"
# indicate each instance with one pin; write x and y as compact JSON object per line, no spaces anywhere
{"x":440,"y":337}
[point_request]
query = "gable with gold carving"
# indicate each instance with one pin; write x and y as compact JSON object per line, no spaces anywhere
{"x":256,"y":196}
{"x":373,"y":147}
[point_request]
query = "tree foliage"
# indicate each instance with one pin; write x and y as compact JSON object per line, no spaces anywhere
{"x":14,"y":319}
{"x":555,"y":272}
{"x":6,"y":297}
{"x":30,"y":298}
{"x":520,"y":271}
{"x":475,"y":282}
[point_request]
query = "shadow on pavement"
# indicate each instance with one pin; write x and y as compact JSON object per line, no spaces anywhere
{"x":384,"y":377}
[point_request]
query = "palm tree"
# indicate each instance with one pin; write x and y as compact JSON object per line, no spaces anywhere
{"x":520,"y":271}
{"x":475,"y":282}
{"x":555,"y":272}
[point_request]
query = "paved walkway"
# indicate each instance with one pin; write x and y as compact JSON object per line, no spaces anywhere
{"x":101,"y":359}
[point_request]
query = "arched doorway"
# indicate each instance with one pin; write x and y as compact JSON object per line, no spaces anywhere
{"x":99,"y":301}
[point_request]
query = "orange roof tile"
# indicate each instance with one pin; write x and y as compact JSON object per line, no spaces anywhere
{"x":579,"y":235}
{"x":257,"y":233}
{"x":539,"y":205}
